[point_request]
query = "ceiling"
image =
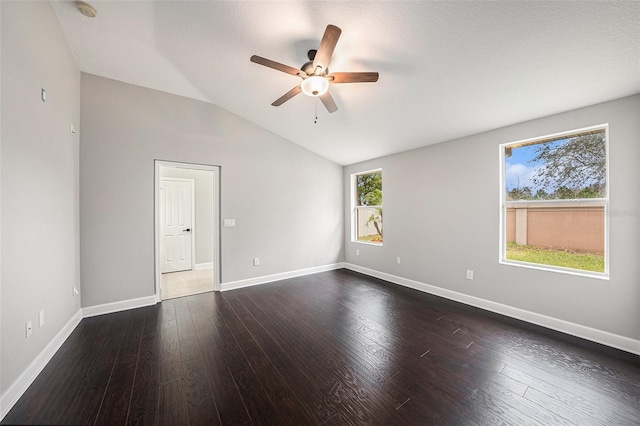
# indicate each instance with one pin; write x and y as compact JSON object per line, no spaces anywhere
{"x":447,"y":69}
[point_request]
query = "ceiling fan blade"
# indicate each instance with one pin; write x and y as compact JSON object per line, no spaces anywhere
{"x":328,"y":43}
{"x":277,"y":66}
{"x":353,"y":77}
{"x":328,"y":102}
{"x":284,"y":98}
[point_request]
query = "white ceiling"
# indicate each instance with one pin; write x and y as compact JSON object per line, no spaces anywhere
{"x":447,"y":69}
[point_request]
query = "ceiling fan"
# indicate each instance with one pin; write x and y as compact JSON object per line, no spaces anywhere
{"x":315,"y":73}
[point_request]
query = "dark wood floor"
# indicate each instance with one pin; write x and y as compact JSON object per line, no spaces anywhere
{"x":331,"y":348}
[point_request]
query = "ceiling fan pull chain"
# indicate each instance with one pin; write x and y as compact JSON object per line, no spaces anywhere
{"x":316,"y":107}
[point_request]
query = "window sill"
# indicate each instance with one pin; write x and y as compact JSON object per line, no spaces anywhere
{"x":367,"y":243}
{"x":557,"y":269}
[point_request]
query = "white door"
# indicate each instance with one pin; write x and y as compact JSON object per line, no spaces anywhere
{"x":176,"y":225}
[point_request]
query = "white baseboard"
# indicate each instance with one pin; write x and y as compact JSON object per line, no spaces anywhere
{"x":609,"y":339}
{"x":207,"y":265}
{"x":15,"y":391}
{"x":232,"y":285}
{"x":107,"y":308}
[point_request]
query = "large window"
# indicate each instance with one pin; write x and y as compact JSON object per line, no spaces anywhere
{"x":555,"y":202}
{"x":367,"y":210}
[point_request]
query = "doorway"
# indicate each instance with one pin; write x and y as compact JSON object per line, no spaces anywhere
{"x":187,"y":242}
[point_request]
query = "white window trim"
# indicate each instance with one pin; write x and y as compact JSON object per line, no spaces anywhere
{"x":354,"y":205}
{"x":558,"y":203}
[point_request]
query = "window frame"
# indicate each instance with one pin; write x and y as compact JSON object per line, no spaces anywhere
{"x":504,"y":204}
{"x":355,"y":206}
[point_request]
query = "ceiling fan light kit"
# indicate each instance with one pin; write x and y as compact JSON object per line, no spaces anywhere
{"x":315,"y":73}
{"x":315,"y":85}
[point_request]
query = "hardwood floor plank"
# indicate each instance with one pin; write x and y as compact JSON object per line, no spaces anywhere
{"x":532,"y":411}
{"x":398,"y":398}
{"x":170,"y":353}
{"x":318,"y":406}
{"x":187,"y":338}
{"x":600,"y":407}
{"x":143,"y":407}
{"x":172,"y":405}
{"x":32,"y":403}
{"x":524,"y":346}
{"x":198,"y":395}
{"x":245,"y":316}
{"x":86,"y":404}
{"x":115,"y":405}
{"x":561,"y":409}
{"x":350,"y":409}
{"x":448,"y":395}
{"x":257,"y":401}
{"x":330,"y":348}
{"x":59,"y":403}
{"x":305,"y":353}
{"x":364,"y":385}
{"x":227,"y":397}
{"x":242,"y":335}
{"x":289,"y":406}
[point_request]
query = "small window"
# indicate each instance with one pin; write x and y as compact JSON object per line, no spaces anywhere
{"x":367,"y":211}
{"x":554,"y":202}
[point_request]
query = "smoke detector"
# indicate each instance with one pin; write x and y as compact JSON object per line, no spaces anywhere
{"x":86,"y":9}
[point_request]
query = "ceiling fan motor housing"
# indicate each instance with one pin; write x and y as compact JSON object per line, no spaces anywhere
{"x":309,"y":70}
{"x":308,"y":66}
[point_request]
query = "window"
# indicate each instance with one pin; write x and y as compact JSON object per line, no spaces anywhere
{"x":554,"y":199}
{"x":367,"y":211}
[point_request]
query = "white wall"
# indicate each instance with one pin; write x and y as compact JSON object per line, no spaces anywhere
{"x":287,"y":201}
{"x":429,"y":192}
{"x":203,"y":227}
{"x":39,"y":184}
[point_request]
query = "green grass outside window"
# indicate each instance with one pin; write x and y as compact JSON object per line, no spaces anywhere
{"x":556,"y":257}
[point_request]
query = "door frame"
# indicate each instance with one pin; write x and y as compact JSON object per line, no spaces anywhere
{"x":217,"y":255}
{"x":193,"y":217}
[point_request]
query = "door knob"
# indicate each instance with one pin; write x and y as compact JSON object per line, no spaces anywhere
{"x":186,"y":230}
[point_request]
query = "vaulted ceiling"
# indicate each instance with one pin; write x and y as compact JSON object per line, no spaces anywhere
{"x":447,"y":69}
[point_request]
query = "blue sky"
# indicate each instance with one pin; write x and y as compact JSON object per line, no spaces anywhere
{"x":520,"y":169}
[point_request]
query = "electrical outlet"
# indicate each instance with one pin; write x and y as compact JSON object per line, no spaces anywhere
{"x":469,"y":274}
{"x":357,"y":252}
{"x":256,"y":261}
{"x":75,"y":291}
{"x":28,"y":328}
{"x":41,"y":318}
{"x":398,"y":261}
